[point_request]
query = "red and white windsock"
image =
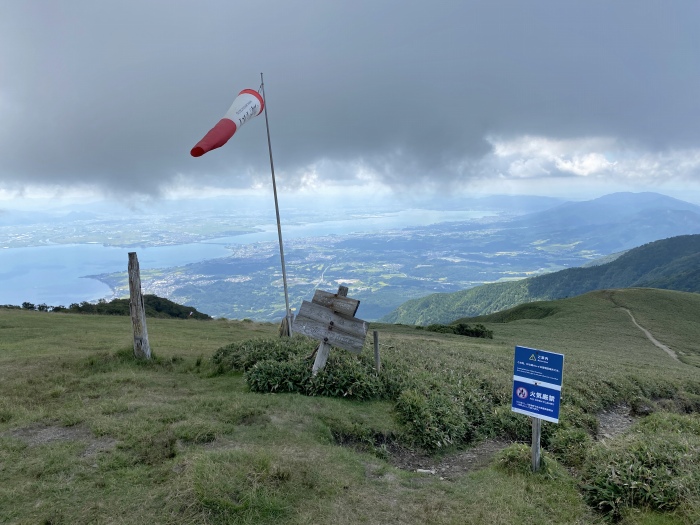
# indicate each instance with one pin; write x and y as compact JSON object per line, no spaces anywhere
{"x":248,"y":104}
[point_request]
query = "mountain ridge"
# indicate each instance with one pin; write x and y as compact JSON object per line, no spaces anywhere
{"x":672,"y":264}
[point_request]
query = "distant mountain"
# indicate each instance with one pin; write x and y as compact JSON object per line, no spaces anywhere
{"x":23,"y":218}
{"x":614,"y":222}
{"x":615,"y":207}
{"x":672,"y":264}
{"x":512,"y":204}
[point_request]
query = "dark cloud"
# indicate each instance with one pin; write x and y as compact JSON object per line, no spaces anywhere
{"x":117,"y":93}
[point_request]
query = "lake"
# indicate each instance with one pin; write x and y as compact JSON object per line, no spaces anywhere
{"x":55,"y":274}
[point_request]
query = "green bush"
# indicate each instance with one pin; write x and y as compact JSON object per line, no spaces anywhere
{"x":241,"y":356}
{"x":279,"y":376}
{"x":509,"y":425}
{"x":280,"y":365}
{"x":570,"y":446}
{"x":433,"y":420}
{"x":460,"y":329}
{"x":661,"y":422}
{"x":655,"y":471}
{"x":517,"y":459}
{"x":473,"y":331}
{"x":345,"y":375}
{"x":440,"y":329}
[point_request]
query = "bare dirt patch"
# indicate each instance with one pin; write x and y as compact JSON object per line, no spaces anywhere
{"x":449,"y":466}
{"x":614,"y":422}
{"x":36,"y":435}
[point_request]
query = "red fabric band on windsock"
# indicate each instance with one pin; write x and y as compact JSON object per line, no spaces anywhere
{"x":215,"y":138}
{"x":247,"y":105}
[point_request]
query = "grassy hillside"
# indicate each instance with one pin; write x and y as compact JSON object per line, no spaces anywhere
{"x":672,"y":264}
{"x":88,"y":435}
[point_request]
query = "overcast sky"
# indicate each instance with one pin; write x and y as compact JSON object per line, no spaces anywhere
{"x":568,"y":98}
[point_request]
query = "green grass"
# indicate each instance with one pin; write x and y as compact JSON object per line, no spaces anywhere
{"x":89,"y":435}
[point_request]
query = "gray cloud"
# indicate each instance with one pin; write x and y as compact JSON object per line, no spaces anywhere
{"x":116,"y":94}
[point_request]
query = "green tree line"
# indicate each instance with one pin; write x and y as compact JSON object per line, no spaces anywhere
{"x":155,"y":307}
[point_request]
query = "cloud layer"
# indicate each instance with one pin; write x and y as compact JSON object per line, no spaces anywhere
{"x":113,"y":96}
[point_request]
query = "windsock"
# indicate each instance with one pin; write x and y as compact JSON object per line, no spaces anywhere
{"x":248,"y":104}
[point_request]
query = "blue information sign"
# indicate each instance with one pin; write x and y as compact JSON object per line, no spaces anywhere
{"x":536,"y":400}
{"x":538,"y":365}
{"x":537,"y":380}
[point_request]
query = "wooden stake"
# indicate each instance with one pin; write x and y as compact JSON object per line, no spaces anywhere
{"x":325,"y":348}
{"x":377,"y":360}
{"x":321,"y":357}
{"x":142,"y":350}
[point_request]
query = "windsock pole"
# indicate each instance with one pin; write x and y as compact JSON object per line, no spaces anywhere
{"x":277,"y":212}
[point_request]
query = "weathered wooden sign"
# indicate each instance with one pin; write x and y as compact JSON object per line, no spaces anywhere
{"x":323,"y":324}
{"x":337,"y":302}
{"x":329,"y":318}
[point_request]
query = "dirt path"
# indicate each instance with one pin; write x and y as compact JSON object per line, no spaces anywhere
{"x":651,"y":337}
{"x":451,"y":466}
{"x":614,"y":421}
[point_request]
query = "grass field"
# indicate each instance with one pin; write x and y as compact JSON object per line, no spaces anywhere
{"x":89,"y":435}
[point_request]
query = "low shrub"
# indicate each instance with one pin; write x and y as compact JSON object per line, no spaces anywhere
{"x":473,"y":331}
{"x":656,"y":471}
{"x":460,"y":329}
{"x":570,"y":445}
{"x":345,"y":375}
{"x":663,"y":422}
{"x":433,"y":420}
{"x":517,"y":459}
{"x":243,"y":355}
{"x":278,"y":376}
{"x":281,"y":365}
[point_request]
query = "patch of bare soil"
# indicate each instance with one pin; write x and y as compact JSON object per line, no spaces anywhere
{"x":35,"y":435}
{"x":614,"y":421}
{"x":450,"y":466}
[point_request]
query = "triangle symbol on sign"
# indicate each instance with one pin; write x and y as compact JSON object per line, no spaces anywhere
{"x":533,"y":358}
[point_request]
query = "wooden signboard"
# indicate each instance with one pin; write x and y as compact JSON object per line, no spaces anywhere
{"x":322,"y":324}
{"x":330,"y":319}
{"x":336,"y":302}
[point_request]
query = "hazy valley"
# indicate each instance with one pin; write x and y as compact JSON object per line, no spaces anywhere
{"x":381,"y":254}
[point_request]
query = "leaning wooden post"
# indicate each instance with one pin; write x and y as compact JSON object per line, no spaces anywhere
{"x":377,"y":360}
{"x":324,"y":348}
{"x":142,"y":350}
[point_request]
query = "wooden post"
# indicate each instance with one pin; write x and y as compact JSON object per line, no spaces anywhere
{"x":377,"y":361}
{"x":142,"y":350}
{"x":324,"y":348}
{"x":284,"y":327}
{"x":536,"y":434}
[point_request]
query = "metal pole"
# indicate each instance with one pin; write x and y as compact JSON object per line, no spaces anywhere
{"x":277,"y":212}
{"x":536,"y":434}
